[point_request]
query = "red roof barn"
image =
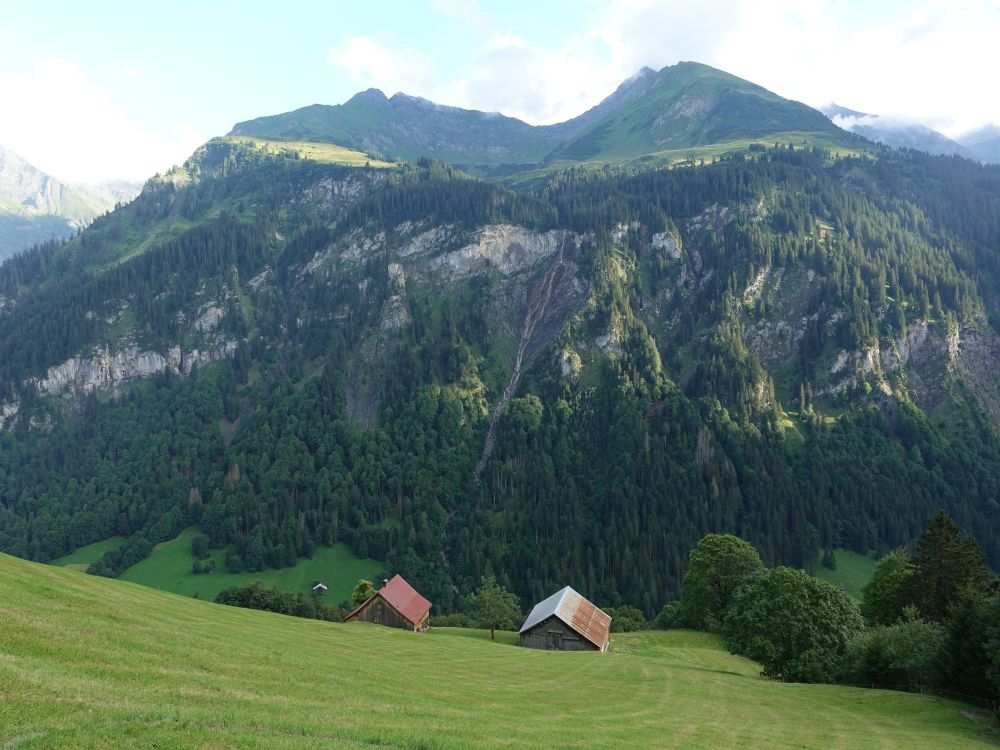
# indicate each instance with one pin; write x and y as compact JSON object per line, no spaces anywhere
{"x":397,"y":604}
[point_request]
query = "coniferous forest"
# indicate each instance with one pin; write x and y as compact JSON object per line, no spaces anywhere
{"x":789,"y":345}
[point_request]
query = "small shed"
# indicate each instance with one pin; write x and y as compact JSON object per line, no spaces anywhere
{"x":397,"y":604}
{"x":567,"y":622}
{"x":319,"y":589}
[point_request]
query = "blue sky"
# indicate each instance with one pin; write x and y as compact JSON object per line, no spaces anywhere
{"x":97,"y":90}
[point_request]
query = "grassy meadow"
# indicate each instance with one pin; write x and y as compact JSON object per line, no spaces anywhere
{"x":169,"y":568}
{"x":84,"y":557}
{"x":87,"y":662}
{"x":853,"y":571}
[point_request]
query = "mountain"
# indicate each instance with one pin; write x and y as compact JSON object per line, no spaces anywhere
{"x":288,"y":345}
{"x":681,"y":106}
{"x":689,"y":105}
{"x":895,"y":133}
{"x":983,"y":144}
{"x":980,"y":135}
{"x":35,"y":207}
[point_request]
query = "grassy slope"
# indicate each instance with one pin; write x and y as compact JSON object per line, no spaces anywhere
{"x":852,"y":573}
{"x":686,"y":156}
{"x":169,"y":569}
{"x":82,"y":558}
{"x":326,"y":153}
{"x":86,"y":662}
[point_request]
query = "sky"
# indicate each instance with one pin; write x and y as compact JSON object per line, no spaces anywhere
{"x":106,"y":89}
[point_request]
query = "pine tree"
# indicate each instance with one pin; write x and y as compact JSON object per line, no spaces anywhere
{"x":945,"y":566}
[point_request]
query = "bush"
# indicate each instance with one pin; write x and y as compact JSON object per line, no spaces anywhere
{"x":671,"y":617}
{"x":627,"y":619}
{"x":199,"y":546}
{"x":454,"y":620}
{"x":901,"y":656}
{"x":257,"y":596}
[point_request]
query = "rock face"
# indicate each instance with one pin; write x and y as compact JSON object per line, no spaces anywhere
{"x":504,"y":248}
{"x":106,"y":371}
{"x":332,"y":195}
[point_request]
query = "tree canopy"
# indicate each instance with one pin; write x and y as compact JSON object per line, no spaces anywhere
{"x":716,"y":568}
{"x":798,"y":627}
{"x":493,"y":606}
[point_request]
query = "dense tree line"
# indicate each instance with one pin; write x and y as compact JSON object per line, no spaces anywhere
{"x":927,"y":622}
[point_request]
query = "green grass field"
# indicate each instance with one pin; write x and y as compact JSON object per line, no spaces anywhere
{"x":169,"y":569}
{"x":84,"y":557}
{"x":87,"y":662}
{"x":852,"y":573}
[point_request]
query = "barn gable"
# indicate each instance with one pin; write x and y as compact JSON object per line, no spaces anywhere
{"x":581,"y":618}
{"x":397,"y":604}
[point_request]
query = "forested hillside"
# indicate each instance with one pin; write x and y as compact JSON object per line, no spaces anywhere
{"x":284,"y":353}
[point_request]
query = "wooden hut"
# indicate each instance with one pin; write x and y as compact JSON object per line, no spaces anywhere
{"x":397,"y":605}
{"x":567,"y":622}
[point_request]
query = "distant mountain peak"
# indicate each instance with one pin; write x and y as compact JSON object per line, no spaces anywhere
{"x":833,"y":109}
{"x":36,"y":207}
{"x":653,"y":111}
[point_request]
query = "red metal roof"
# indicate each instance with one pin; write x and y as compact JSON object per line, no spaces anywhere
{"x":402,"y":597}
{"x":405,"y":599}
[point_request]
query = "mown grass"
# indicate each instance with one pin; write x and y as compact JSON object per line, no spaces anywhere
{"x":169,"y":568}
{"x":852,"y":573}
{"x":92,"y":663}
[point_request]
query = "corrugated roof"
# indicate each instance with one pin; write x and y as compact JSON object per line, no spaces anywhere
{"x":405,"y":599}
{"x":584,"y":617}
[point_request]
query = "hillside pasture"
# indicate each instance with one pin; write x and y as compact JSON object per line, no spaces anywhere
{"x":93,"y":663}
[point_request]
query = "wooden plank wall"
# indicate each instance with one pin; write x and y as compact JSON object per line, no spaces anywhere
{"x":541,"y":636}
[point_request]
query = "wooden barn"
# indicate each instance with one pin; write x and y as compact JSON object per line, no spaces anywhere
{"x":567,"y":622}
{"x":397,"y":605}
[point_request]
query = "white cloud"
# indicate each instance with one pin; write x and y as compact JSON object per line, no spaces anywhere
{"x":922,"y":62}
{"x":372,"y":64}
{"x":466,"y":12}
{"x":917,"y":62}
{"x":129,"y":73}
{"x":72,"y":129}
{"x":533,"y":83}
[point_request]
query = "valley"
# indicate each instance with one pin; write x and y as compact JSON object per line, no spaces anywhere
{"x":697,"y":352}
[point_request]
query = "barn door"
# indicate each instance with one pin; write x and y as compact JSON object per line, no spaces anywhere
{"x":555,"y":641}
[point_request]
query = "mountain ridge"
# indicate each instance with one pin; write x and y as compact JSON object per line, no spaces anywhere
{"x":679,"y":106}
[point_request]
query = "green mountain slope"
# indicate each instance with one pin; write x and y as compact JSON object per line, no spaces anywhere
{"x":290,"y":353}
{"x":35,"y":207}
{"x":682,"y":106}
{"x":690,"y":104}
{"x":408,"y":127}
{"x":93,"y":663}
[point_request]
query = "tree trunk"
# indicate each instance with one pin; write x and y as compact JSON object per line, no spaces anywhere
{"x":493,"y":635}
